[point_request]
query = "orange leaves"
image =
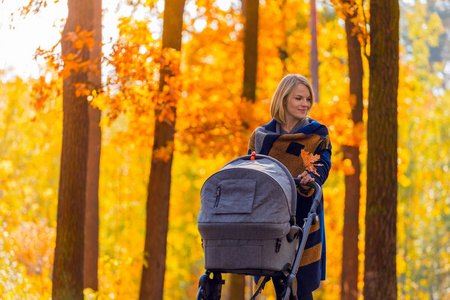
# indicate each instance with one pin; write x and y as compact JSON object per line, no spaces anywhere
{"x":146,"y":83}
{"x":50,"y":56}
{"x":33,"y":6}
{"x":309,"y":161}
{"x":336,"y":114}
{"x":164,"y":153}
{"x":358,"y":11}
{"x":74,"y":61}
{"x":45,"y":89}
{"x":82,"y":90}
{"x":61,"y":67}
{"x":171,"y":58}
{"x":136,"y":87}
{"x":80,"y":39}
{"x":217,"y":123}
{"x":165,"y":105}
{"x":166,"y":101}
{"x":348,"y":167}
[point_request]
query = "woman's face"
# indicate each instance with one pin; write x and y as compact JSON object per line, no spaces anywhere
{"x":298,"y":103}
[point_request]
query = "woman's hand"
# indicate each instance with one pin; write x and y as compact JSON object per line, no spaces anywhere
{"x":305,"y":178}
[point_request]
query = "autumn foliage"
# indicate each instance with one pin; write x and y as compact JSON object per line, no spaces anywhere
{"x":213,"y":126}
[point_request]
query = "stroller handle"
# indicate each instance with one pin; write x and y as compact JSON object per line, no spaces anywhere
{"x":317,"y":193}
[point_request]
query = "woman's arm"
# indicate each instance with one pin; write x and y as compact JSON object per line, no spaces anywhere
{"x":323,"y":166}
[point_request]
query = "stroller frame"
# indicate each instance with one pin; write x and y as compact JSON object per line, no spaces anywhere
{"x":210,"y":283}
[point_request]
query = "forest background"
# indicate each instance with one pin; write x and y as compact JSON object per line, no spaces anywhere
{"x":213,"y":125}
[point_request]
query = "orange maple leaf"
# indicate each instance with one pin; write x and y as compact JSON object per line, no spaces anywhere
{"x":309,"y":161}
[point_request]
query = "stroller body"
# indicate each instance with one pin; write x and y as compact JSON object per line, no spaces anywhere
{"x":247,"y":223}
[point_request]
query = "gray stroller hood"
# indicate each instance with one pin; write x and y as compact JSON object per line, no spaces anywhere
{"x":248,"y":199}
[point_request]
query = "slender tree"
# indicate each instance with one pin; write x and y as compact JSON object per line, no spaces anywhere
{"x":314,"y":57}
{"x":283,"y":48}
{"x":380,"y":281}
{"x":68,"y":262}
{"x":236,"y":283}
{"x":91,"y":251}
{"x":152,"y":283}
{"x":250,"y":15}
{"x":349,"y":281}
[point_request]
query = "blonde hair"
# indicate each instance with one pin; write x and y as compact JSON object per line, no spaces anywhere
{"x":284,"y":89}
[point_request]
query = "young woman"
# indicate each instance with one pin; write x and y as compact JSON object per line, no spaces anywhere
{"x":303,"y":146}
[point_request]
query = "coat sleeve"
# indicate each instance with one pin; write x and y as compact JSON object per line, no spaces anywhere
{"x":324,"y":163}
{"x":323,"y":167}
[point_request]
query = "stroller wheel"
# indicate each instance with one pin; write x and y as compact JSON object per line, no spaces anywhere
{"x":203,"y":287}
{"x":201,"y":294}
{"x":210,"y":288}
{"x":286,"y":288}
{"x":291,"y":296}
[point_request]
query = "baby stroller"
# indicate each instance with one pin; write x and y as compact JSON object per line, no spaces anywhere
{"x":247,"y":225}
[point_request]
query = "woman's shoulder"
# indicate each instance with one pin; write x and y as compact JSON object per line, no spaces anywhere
{"x":314,"y":122}
{"x":314,"y":127}
{"x":267,"y":128}
{"x":271,"y":126}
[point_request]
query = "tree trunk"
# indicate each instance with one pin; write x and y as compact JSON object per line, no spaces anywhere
{"x":349,"y":281}
{"x":236,"y":287}
{"x":283,"y":48}
{"x":380,"y":281}
{"x":91,"y":230}
{"x":68,"y":262}
{"x":250,"y":14}
{"x":152,"y":283}
{"x":250,"y":8}
{"x":314,"y":52}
